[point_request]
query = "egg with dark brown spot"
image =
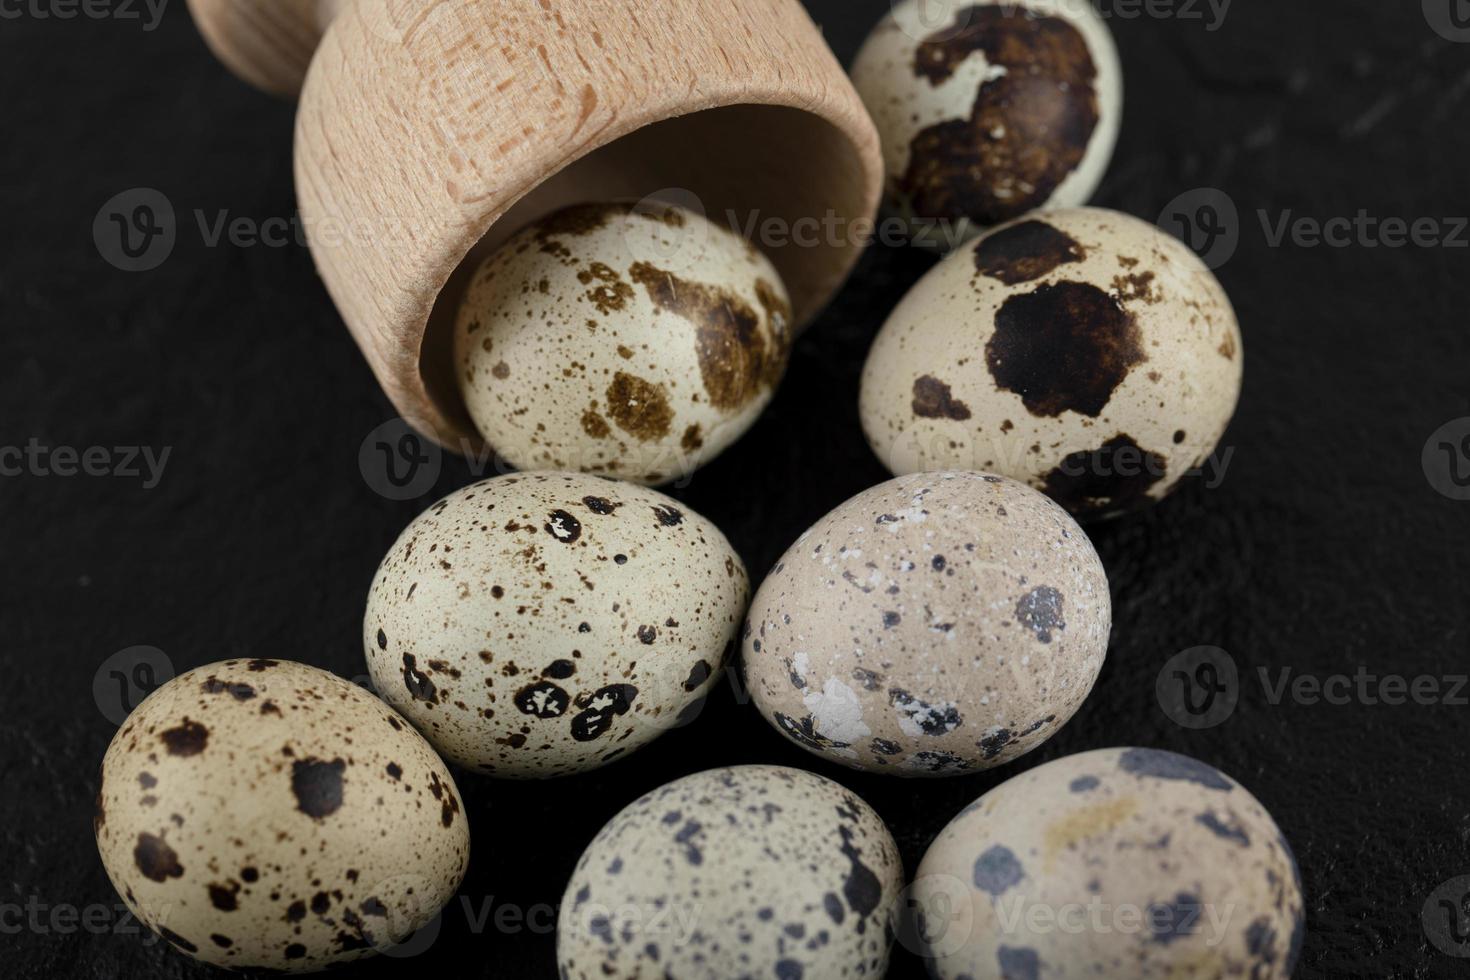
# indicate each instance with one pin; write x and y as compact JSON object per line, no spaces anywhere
{"x":634,"y":341}
{"x":1120,"y":862}
{"x":1084,"y":352}
{"x":990,"y":109}
{"x":542,"y":624}
{"x":937,"y":624}
{"x":297,"y":823}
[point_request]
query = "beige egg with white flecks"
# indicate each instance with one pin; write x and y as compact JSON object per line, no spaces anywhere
{"x":634,"y":341}
{"x":937,"y":624}
{"x":750,"y":871}
{"x":542,"y":624}
{"x":1114,"y":863}
{"x":987,"y":110}
{"x":1083,"y":352}
{"x":266,"y":814}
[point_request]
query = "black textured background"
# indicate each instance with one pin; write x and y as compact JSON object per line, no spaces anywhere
{"x":1325,"y":549}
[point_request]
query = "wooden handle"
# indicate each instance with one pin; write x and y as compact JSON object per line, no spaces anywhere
{"x":430,"y":130}
{"x":268,"y":43}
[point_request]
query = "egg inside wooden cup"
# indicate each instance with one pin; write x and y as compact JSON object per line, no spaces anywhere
{"x":430,"y":133}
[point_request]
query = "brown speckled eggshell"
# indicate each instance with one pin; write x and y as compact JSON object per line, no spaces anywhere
{"x":631,"y":341}
{"x":1114,"y":863}
{"x":1084,"y":352}
{"x":750,"y":871}
{"x":262,"y":813}
{"x":987,"y":110}
{"x":548,"y":623}
{"x":936,"y":624}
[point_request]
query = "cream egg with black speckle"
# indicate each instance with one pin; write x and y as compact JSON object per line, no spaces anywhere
{"x":1116,"y":863}
{"x":1083,"y":352}
{"x":987,"y":109}
{"x":937,"y":624}
{"x":266,"y":814}
{"x":750,"y":871}
{"x":634,"y":341}
{"x":542,"y":624}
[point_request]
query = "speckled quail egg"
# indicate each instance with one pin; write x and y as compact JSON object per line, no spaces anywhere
{"x":1083,"y":352}
{"x":751,"y":871}
{"x":936,"y":624}
{"x":636,"y":341}
{"x":267,"y":814}
{"x":1115,"y":863}
{"x":988,"y":110}
{"x":547,"y":623}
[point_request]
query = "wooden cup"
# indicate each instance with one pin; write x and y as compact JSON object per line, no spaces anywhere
{"x":429,"y":131}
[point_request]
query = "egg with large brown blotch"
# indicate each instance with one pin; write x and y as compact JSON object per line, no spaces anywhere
{"x":990,"y":109}
{"x":937,"y":624}
{"x":266,"y":814}
{"x":542,"y":624}
{"x":1114,"y":863}
{"x":750,"y":871}
{"x":634,"y":341}
{"x":1083,"y":352}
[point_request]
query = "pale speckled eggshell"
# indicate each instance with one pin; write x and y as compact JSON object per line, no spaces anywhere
{"x":937,"y":624}
{"x":631,"y":341}
{"x":989,"y":110}
{"x":263,"y":813}
{"x":1115,"y":863}
{"x":548,"y":623}
{"x":750,"y":871}
{"x":1084,"y":352}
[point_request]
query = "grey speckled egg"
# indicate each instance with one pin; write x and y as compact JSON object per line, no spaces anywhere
{"x":1083,"y":352}
{"x":1116,"y":863}
{"x":547,"y":623}
{"x":752,"y":871}
{"x":262,"y":813}
{"x":988,"y":110}
{"x":937,"y":624}
{"x":631,"y":341}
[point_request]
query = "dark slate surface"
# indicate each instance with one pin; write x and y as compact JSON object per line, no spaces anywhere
{"x":1325,"y":549}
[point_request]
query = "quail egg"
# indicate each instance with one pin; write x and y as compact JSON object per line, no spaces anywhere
{"x":635,"y":341}
{"x":987,"y":110}
{"x":752,"y":871}
{"x":547,"y":623}
{"x":1083,"y":352}
{"x":1115,"y":863}
{"x":266,"y":814}
{"x":937,"y":624}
